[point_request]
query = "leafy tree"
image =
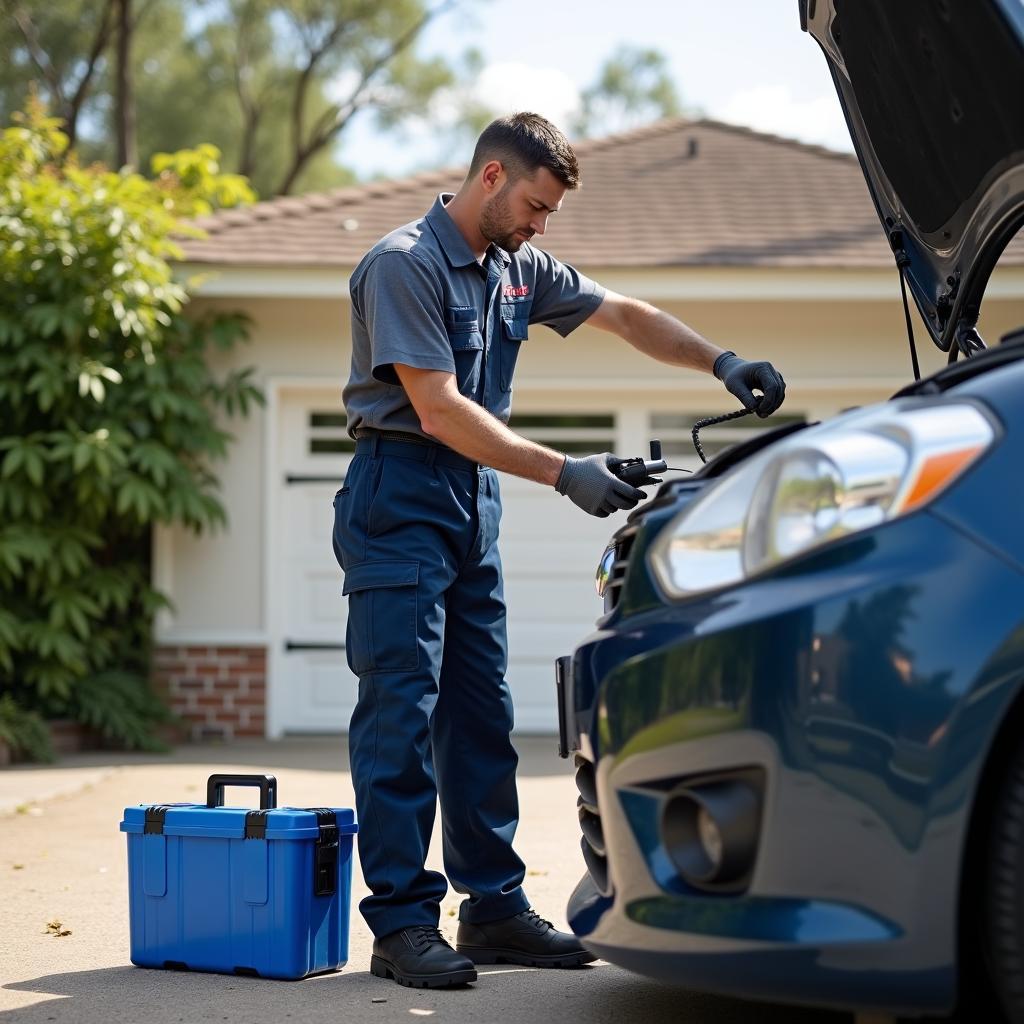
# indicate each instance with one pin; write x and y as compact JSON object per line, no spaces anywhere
{"x":110,"y":420}
{"x":273,"y":84}
{"x":62,"y":55}
{"x":633,"y":87}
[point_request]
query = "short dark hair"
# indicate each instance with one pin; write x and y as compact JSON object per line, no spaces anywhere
{"x":524,"y":142}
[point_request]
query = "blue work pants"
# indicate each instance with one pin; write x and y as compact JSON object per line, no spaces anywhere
{"x":416,"y":530}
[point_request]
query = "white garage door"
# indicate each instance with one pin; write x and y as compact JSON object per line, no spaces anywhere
{"x":549,"y":547}
{"x":313,"y":690}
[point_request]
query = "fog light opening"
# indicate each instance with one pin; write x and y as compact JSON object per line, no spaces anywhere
{"x":710,"y":832}
{"x":710,"y":838}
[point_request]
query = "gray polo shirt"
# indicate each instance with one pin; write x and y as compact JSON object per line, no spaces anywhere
{"x":419,"y":297}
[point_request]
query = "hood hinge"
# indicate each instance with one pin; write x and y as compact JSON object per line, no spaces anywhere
{"x":967,"y":340}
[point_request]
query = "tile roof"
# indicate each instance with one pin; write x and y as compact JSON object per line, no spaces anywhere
{"x":676,"y":193}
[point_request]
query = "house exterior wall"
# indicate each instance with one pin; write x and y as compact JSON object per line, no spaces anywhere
{"x":834,"y":353}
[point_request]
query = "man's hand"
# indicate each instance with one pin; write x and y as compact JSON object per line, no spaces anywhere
{"x":740,"y":376}
{"x":594,"y":487}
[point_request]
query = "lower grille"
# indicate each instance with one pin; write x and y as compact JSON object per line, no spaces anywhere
{"x":624,"y":541}
{"x":595,"y":854}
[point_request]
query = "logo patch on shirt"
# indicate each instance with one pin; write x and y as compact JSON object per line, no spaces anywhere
{"x":511,"y":289}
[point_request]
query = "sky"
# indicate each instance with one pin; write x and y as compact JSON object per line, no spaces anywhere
{"x":742,"y":61}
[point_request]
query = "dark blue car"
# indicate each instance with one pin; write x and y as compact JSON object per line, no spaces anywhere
{"x":799,"y":727}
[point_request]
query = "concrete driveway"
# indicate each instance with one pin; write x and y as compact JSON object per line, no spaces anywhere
{"x":63,"y":859}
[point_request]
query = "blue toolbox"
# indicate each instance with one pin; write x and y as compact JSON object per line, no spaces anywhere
{"x":263,"y":892}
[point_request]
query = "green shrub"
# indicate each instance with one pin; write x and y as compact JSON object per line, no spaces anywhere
{"x":110,"y":418}
{"x":23,"y":732}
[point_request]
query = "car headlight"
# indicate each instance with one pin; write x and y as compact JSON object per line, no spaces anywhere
{"x":850,"y":474}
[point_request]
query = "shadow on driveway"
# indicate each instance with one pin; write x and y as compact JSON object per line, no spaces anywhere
{"x":600,"y":994}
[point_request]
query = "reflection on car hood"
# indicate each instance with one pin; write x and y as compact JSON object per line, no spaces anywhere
{"x":933,"y":92}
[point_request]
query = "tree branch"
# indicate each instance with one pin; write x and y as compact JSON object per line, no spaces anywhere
{"x":143,"y":11}
{"x":305,"y":77}
{"x":333,"y":121}
{"x":69,"y":109}
{"x":99,"y":44}
{"x":28,"y":29}
{"x":251,"y":111}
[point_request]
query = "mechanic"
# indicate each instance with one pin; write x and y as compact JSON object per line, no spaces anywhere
{"x":440,"y":308}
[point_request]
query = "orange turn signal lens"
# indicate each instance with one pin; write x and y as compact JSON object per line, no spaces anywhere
{"x":936,"y":472}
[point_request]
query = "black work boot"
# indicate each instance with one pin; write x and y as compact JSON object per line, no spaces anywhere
{"x":524,"y":939}
{"x":420,"y":958}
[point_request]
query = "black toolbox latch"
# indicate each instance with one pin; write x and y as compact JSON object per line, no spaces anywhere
{"x":325,"y":853}
{"x":256,"y":824}
{"x":155,"y":820}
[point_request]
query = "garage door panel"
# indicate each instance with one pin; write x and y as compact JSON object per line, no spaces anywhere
{"x":540,"y":519}
{"x":309,"y":520}
{"x":326,"y":606}
{"x":544,"y":641}
{"x":533,"y":697}
{"x":315,"y":606}
{"x":551,"y":600}
{"x":330,"y":684}
{"x":318,"y":515}
{"x":551,"y":550}
{"x":317,"y":691}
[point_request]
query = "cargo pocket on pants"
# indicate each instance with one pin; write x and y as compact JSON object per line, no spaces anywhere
{"x":381,"y":631}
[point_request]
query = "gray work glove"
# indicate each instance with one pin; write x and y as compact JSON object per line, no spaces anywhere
{"x":594,"y":487}
{"x":739,"y":376}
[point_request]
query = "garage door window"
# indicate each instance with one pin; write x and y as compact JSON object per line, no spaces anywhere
{"x":327,"y":434}
{"x":584,"y":433}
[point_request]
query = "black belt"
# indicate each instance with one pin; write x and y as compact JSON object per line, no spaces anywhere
{"x":410,"y":446}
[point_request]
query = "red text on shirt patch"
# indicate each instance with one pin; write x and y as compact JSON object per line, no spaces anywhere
{"x":513,"y":290}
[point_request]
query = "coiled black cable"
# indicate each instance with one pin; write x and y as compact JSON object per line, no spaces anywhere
{"x":710,"y":421}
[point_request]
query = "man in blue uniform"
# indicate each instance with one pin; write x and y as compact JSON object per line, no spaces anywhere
{"x":440,"y":308}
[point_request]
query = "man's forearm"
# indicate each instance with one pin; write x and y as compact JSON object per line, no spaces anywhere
{"x":471,"y":431}
{"x":661,"y":336}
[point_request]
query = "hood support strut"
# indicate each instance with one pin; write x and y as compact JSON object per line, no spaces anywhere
{"x":902,"y":262}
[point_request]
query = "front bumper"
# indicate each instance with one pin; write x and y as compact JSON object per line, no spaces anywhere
{"x":849,"y":685}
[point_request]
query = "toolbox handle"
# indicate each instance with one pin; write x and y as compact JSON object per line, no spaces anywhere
{"x":267,"y":785}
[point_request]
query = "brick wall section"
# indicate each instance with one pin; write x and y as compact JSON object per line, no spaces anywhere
{"x":220,"y":692}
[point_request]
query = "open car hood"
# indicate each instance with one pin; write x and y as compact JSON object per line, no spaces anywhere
{"x":933,"y":92}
